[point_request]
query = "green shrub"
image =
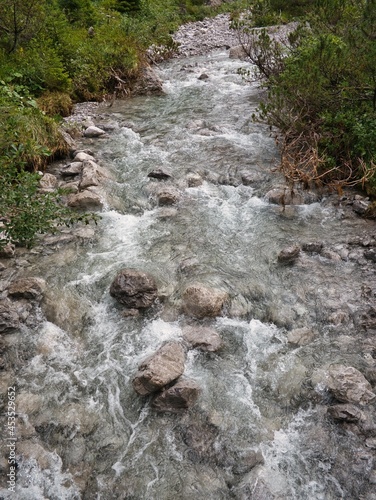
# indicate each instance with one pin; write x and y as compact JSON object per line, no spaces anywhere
{"x":321,"y":94}
{"x":26,"y":212}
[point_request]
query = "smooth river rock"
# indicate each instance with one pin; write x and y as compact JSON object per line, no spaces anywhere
{"x":134,"y":289}
{"x":159,"y":369}
{"x":93,"y":131}
{"x":201,"y":301}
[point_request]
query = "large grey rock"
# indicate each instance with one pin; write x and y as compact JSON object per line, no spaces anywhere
{"x":68,"y":140}
{"x":349,"y":385}
{"x":202,"y":338}
{"x":72,"y":169}
{"x":89,"y":176}
{"x":135,"y":289}
{"x":28,"y":288}
{"x":93,"y":131}
{"x":85,"y":200}
{"x":9,"y":318}
{"x":148,"y":83}
{"x":82,"y":156}
{"x":180,"y":396}
{"x":201,"y":301}
{"x":159,"y":369}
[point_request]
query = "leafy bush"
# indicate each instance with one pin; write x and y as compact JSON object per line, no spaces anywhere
{"x":321,"y":94}
{"x":26,"y":212}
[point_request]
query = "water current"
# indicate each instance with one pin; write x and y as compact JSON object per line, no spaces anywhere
{"x":100,"y":439}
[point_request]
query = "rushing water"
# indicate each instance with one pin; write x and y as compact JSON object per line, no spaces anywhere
{"x":103,"y":441}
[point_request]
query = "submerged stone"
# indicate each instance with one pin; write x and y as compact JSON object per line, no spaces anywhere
{"x":202,"y":338}
{"x":180,"y":396}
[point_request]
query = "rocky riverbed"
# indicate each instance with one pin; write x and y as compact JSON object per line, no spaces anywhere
{"x":259,"y":352}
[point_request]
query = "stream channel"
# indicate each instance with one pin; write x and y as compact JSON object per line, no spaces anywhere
{"x":260,"y":428}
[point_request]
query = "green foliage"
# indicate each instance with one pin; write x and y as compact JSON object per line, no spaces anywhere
{"x":322,"y":94}
{"x":27,"y":136}
{"x":26,"y":212}
{"x":20,"y":21}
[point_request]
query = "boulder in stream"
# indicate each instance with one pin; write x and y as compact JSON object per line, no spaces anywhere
{"x":182,"y":395}
{"x":159,"y":369}
{"x":289,"y":255}
{"x":89,"y":176}
{"x":9,"y":317}
{"x":300,"y":336}
{"x":27,"y":288}
{"x":134,"y":289}
{"x":349,"y":385}
{"x":94,"y":131}
{"x":85,"y":200}
{"x":345,"y":413}
{"x":201,"y":301}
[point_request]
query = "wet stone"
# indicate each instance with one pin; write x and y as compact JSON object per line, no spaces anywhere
{"x":345,"y":413}
{"x":28,"y":288}
{"x":160,"y":174}
{"x":349,"y":385}
{"x":300,"y":336}
{"x":202,"y":338}
{"x":370,"y":254}
{"x":168,"y":196}
{"x":178,"y":397}
{"x":9,"y":317}
{"x":160,"y":369}
{"x":289,"y":255}
{"x":93,"y":131}
{"x":312,"y":247}
{"x":201,"y":301}
{"x":134,"y":289}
